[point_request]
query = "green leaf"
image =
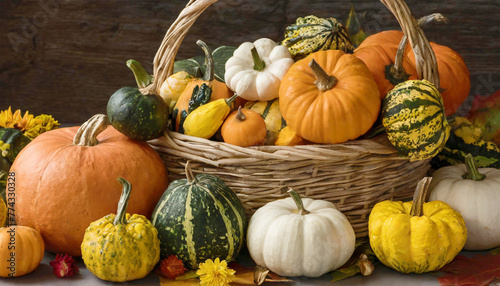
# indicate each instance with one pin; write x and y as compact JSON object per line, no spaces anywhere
{"x":12,"y":141}
{"x":196,"y":66}
{"x":221,"y":55}
{"x":356,"y":33}
{"x":344,"y":273}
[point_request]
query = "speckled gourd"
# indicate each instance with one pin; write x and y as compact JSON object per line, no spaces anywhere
{"x":121,"y":247}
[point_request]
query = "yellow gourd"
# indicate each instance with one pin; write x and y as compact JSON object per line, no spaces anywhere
{"x":204,"y":121}
{"x":270,"y":111}
{"x":415,"y":236}
{"x":288,"y":137}
{"x":121,"y":247}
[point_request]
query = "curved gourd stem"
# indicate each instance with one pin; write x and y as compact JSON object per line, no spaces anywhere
{"x":425,"y":58}
{"x":397,"y":70}
{"x":240,"y":115}
{"x":142,"y":77}
{"x":323,"y":81}
{"x":417,"y":208}
{"x":189,"y":173}
{"x":472,"y":170}
{"x":123,"y":202}
{"x":209,"y":62}
{"x":88,"y":132}
{"x":298,"y":201}
{"x":258,"y":63}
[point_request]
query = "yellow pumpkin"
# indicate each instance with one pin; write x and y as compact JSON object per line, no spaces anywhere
{"x":416,"y":237}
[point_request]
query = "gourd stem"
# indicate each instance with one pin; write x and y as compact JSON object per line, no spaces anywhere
{"x":229,"y":101}
{"x":323,"y":81}
{"x":209,"y":62}
{"x":142,"y":77}
{"x":240,"y":115}
{"x":397,"y":73}
{"x":417,"y":208}
{"x":258,"y":63}
{"x":88,"y":132}
{"x":123,"y":202}
{"x":298,"y":201}
{"x":189,"y":173}
{"x":472,"y":170}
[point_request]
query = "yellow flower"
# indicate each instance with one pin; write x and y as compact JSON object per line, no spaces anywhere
{"x":215,"y":273}
{"x":32,"y":127}
{"x":9,"y":120}
{"x":40,"y":124}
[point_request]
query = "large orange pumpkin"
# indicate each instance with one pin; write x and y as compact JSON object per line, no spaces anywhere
{"x":21,"y":250}
{"x":329,"y":97}
{"x":453,"y":73}
{"x":65,"y":181}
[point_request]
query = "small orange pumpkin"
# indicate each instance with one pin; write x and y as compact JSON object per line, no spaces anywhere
{"x":21,"y":250}
{"x":62,"y":180}
{"x":329,"y":97}
{"x":244,"y":128}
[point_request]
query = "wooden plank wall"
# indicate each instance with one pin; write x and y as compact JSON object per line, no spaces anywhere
{"x":66,"y":57}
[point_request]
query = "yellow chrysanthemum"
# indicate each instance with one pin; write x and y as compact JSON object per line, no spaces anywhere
{"x":215,"y":273}
{"x":31,"y":126}
{"x":40,"y":124}
{"x":9,"y":120}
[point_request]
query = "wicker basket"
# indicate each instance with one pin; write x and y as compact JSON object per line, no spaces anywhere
{"x":354,"y":175}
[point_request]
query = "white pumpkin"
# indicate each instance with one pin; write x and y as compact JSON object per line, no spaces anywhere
{"x":476,"y":198}
{"x":255,"y":70}
{"x":294,"y":237}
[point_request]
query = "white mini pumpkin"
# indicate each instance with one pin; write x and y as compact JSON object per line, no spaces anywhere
{"x":294,"y":237}
{"x":475,"y":196}
{"x":255,"y":70}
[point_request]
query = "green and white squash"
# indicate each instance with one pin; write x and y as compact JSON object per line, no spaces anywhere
{"x":199,"y":218}
{"x":310,"y":34}
{"x":414,"y":119}
{"x":139,"y":116}
{"x":270,"y":111}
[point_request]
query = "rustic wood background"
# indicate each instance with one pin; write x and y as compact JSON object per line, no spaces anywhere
{"x":66,"y":58}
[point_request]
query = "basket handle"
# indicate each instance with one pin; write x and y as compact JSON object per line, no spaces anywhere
{"x":163,"y":63}
{"x":425,"y":58}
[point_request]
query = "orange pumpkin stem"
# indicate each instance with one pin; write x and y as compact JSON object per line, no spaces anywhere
{"x":240,"y":115}
{"x":323,"y":81}
{"x":417,"y":208}
{"x":88,"y":132}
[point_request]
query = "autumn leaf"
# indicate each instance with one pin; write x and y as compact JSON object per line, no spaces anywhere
{"x":362,"y":261}
{"x":485,"y":114}
{"x":478,"y":270}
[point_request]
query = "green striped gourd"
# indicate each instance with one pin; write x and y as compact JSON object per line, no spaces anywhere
{"x":413,"y":116}
{"x":466,"y":138}
{"x":270,"y":111}
{"x":199,"y":218}
{"x":310,"y":34}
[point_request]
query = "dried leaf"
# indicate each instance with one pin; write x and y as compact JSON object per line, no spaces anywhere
{"x":362,"y":261}
{"x":478,"y":270}
{"x":485,"y":114}
{"x":245,"y":275}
